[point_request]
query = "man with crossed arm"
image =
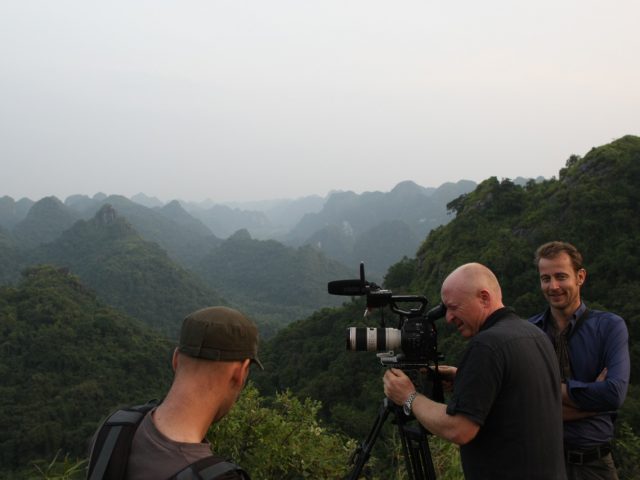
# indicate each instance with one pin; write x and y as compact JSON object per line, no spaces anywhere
{"x":592,"y":350}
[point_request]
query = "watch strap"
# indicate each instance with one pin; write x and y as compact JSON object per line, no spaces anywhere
{"x":408,"y":403}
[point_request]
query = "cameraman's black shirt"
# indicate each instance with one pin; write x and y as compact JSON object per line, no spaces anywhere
{"x":508,"y":383}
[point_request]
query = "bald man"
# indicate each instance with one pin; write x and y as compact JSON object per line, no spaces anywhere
{"x":505,"y":410}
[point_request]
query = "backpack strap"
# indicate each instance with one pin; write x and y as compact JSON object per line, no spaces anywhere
{"x":209,"y":468}
{"x":112,"y":445}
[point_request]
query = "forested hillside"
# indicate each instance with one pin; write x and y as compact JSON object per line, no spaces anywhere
{"x":276,"y":283}
{"x":12,"y":212}
{"x":184,"y":238}
{"x":150,"y":269}
{"x":44,"y":222}
{"x":66,"y":359}
{"x":595,"y":204}
{"x":377,"y":227}
{"x":128,"y":272}
{"x":10,"y":257}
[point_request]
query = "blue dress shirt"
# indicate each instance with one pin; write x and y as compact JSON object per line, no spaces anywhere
{"x":601,"y":340}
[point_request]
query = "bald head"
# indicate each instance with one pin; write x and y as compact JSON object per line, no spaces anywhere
{"x":471,"y":278}
{"x":471,"y":293}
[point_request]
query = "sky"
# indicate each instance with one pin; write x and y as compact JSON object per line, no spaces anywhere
{"x":253,"y":100}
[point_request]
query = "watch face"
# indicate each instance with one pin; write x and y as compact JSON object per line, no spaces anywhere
{"x":405,"y":409}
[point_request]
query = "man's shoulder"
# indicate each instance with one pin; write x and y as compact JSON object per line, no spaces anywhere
{"x":605,"y":322}
{"x":538,"y":318}
{"x":510,"y":328}
{"x":508,"y":322}
{"x":603,"y":315}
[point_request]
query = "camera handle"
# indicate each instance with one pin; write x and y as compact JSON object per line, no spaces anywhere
{"x":415,"y":445}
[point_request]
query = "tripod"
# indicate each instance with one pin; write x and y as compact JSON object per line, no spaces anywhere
{"x":415,"y":446}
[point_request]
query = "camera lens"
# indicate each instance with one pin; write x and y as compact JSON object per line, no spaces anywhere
{"x":369,"y":339}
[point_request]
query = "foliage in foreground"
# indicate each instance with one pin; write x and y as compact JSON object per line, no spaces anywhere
{"x":283,"y":440}
{"x":65,"y":469}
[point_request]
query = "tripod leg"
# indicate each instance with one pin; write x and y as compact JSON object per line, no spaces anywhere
{"x":363,"y":452}
{"x":415,"y":446}
{"x":416,"y":451}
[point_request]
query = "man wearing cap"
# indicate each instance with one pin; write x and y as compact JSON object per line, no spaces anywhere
{"x":211,"y":365}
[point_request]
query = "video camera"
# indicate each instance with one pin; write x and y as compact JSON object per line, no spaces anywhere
{"x":417,"y":339}
{"x":416,"y":336}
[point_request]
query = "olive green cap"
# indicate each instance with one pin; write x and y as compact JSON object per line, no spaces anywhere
{"x":219,"y":333}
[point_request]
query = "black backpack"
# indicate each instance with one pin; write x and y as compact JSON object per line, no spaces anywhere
{"x":112,"y":446}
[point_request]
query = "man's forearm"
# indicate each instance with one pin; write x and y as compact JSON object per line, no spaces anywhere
{"x":570,"y":413}
{"x":570,"y":410}
{"x":433,"y":416}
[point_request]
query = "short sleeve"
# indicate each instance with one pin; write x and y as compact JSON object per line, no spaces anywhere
{"x":477,"y":384}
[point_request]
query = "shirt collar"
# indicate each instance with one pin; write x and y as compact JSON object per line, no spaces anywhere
{"x":495,"y":317}
{"x":547,"y":320}
{"x":578,"y":313}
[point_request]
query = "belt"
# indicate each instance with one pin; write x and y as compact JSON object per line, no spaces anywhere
{"x":580,"y":456}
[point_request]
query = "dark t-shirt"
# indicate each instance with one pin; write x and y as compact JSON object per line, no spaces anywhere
{"x":508,"y":383}
{"x":156,"y":457}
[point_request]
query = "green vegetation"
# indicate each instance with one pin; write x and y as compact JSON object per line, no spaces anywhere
{"x":128,"y":272}
{"x":66,"y":360}
{"x":273,"y":283}
{"x":10,"y":257}
{"x":283,"y":440}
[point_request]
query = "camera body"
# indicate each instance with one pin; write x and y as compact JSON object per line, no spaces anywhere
{"x":412,"y":347}
{"x":415,"y":343}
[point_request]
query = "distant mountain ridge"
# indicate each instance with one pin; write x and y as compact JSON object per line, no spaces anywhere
{"x":185,"y":239}
{"x":264,"y":276}
{"x":44,"y":222}
{"x":264,"y":220}
{"x":345,"y":226}
{"x":128,"y":272}
{"x":12,"y":212}
{"x":378,"y":228}
{"x":137,"y":276}
{"x":269,"y":219}
{"x":349,"y":226}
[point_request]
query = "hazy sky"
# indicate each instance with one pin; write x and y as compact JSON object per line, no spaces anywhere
{"x":248,"y":100}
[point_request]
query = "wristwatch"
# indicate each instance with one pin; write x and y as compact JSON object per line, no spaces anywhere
{"x":406,"y":407}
